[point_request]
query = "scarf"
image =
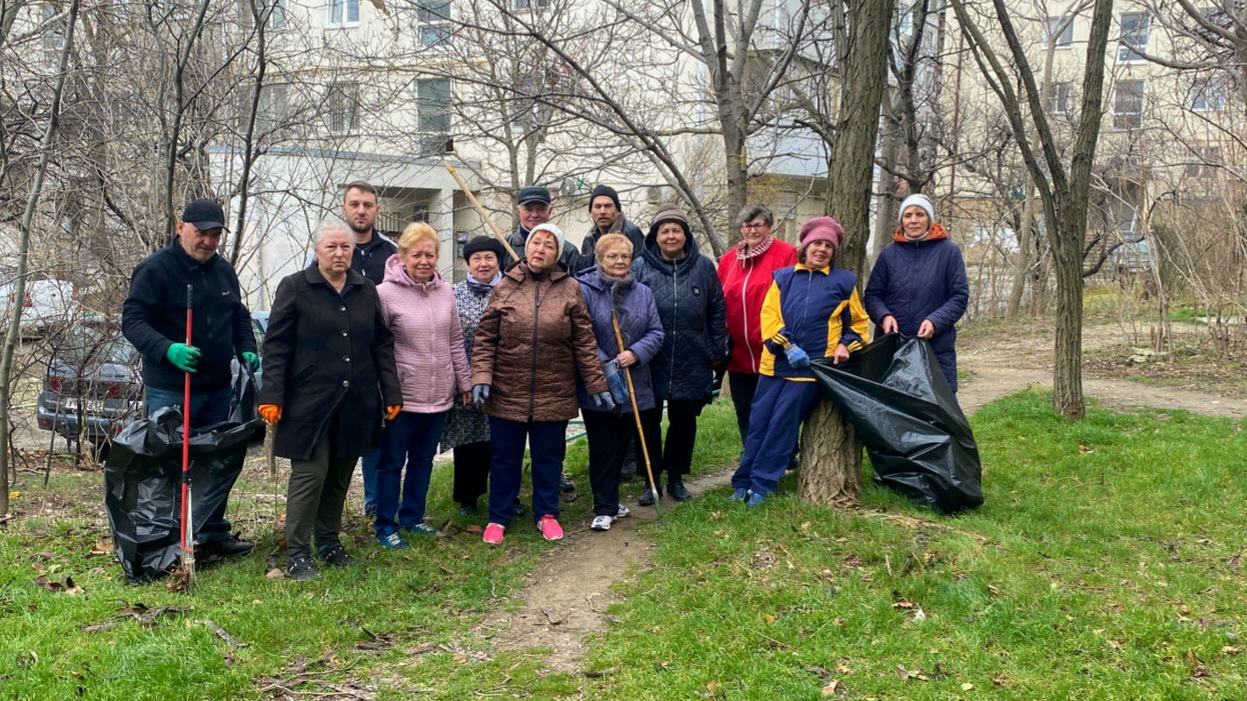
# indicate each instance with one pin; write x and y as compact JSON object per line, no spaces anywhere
{"x":478,"y":286}
{"x":744,"y":253}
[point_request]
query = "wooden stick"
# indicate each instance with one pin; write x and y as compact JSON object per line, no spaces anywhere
{"x":636,"y":414}
{"x":497,"y":232}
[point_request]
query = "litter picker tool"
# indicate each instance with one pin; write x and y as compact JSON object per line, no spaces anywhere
{"x":188,"y":528}
{"x":649,"y":469}
{"x":480,"y":209}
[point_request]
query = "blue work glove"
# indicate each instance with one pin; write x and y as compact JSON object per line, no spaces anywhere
{"x":183,"y":357}
{"x":479,"y":394}
{"x":252,"y":359}
{"x":797,"y":357}
{"x":603,"y":401}
{"x":617,"y":382}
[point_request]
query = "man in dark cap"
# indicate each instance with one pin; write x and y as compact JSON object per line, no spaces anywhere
{"x":607,"y":215}
{"x":533,"y":205}
{"x":153,"y":318}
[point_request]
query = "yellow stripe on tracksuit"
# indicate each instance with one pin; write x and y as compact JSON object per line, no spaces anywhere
{"x":773,"y":323}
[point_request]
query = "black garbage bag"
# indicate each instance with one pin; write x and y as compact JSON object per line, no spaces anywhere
{"x":920,"y":443}
{"x":143,"y":486}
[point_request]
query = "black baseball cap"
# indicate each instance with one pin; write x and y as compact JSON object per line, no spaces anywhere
{"x":204,"y":214}
{"x":533,"y":193}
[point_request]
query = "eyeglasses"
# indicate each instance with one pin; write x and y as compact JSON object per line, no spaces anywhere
{"x":612,"y":257}
{"x":754,"y":226}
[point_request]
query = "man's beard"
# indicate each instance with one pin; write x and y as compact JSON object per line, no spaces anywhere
{"x":366,"y":229}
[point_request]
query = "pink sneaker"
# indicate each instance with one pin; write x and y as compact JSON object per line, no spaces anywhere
{"x":550,"y":528}
{"x":493,"y":533}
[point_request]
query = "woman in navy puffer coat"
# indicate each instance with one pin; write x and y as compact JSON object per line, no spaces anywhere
{"x":918,"y":286}
{"x":694,"y":321}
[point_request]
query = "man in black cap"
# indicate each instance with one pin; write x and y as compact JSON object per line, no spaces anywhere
{"x":607,"y":216}
{"x":153,"y":318}
{"x":532,"y":204}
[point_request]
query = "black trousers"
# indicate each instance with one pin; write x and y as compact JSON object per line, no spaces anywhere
{"x":316,"y":494}
{"x":609,"y":435}
{"x":676,"y":456}
{"x":472,"y":462}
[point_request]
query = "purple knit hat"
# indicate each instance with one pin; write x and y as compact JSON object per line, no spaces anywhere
{"x":821,"y":229}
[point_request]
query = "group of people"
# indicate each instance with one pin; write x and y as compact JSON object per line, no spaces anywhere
{"x":370,"y":353}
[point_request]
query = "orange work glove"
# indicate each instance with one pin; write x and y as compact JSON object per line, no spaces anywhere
{"x":392,"y":410}
{"x":271,"y":413}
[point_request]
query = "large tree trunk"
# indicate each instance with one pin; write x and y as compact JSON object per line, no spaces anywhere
{"x":831,"y":455}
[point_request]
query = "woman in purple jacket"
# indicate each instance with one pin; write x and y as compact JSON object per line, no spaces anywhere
{"x":611,"y":292}
{"x":918,"y":286}
{"x":419,"y":308}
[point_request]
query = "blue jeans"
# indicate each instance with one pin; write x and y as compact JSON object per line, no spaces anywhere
{"x":370,"y":461}
{"x":548,"y":445}
{"x":207,"y":408}
{"x":409,"y":439}
{"x":775,"y":419}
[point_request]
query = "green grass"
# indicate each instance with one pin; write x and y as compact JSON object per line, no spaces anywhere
{"x":1105,"y":565}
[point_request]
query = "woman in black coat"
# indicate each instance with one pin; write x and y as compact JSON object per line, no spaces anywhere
{"x":328,"y":366}
{"x":694,"y":321}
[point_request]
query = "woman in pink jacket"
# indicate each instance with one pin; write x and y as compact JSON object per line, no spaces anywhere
{"x":419,"y":307}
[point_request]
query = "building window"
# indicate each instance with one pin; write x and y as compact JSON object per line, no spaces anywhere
{"x":1209,"y":95}
{"x":342,"y":107}
{"x":531,"y":4}
{"x":1128,"y":104}
{"x":434,"y":18}
{"x":433,"y":105}
{"x":1135,"y":27}
{"x":1207,"y":160}
{"x":342,"y":13}
{"x":275,"y":10}
{"x":1060,"y":99}
{"x":274,"y":108}
{"x":1062,"y":40}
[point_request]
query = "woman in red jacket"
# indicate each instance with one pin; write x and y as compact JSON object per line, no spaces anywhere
{"x":746,"y":272}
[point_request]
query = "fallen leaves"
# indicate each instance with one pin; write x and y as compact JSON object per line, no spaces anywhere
{"x":56,"y":587}
{"x":103,"y":546}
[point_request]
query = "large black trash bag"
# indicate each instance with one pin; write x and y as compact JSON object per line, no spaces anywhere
{"x":919,"y":441}
{"x":143,"y":486}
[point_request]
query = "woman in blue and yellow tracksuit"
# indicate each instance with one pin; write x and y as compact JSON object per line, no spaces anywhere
{"x":812,"y":312}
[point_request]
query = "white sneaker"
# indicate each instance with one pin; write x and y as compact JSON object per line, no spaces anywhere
{"x":623,"y":512}
{"x":601,"y":523}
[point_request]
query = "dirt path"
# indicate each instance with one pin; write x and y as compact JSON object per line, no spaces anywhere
{"x":567,"y":596}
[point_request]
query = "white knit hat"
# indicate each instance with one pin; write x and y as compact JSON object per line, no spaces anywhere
{"x":549,"y":228}
{"x":917,"y":201}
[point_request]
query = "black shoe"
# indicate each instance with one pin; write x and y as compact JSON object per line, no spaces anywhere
{"x":468,"y":510}
{"x":647,"y":497}
{"x":335,"y":555}
{"x":301,"y":568}
{"x":678,"y":491}
{"x":230,"y":547}
{"x":566,"y":485}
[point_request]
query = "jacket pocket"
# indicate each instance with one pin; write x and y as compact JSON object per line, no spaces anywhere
{"x":303,"y":374}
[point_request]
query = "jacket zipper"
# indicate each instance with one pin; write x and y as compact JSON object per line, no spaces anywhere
{"x":532,"y":387}
{"x":744,"y":308}
{"x":675,"y":319}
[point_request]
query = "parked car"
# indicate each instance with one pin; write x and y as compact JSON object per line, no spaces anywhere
{"x":95,"y":379}
{"x":44,"y":303}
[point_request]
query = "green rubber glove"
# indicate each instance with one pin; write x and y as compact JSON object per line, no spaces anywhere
{"x":183,"y":357}
{"x":252,"y":359}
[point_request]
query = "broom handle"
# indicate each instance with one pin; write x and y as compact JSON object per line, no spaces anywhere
{"x":497,"y":232}
{"x":636,"y":414}
{"x":188,"y":532}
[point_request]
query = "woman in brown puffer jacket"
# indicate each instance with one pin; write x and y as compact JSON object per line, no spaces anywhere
{"x":534,"y":338}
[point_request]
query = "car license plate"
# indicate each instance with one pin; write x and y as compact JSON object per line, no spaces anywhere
{"x":93,"y":406}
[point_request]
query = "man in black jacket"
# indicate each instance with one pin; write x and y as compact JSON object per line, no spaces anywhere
{"x":534,"y":208}
{"x":607,"y":215}
{"x":153,"y":318}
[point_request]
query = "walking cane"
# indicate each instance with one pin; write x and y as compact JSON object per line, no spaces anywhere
{"x":188,"y":529}
{"x":636,"y":414}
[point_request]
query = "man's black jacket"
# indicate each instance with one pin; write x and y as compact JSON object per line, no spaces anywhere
{"x":154,"y":317}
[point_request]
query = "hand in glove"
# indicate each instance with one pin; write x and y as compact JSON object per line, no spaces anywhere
{"x":797,"y":357}
{"x":183,"y":357}
{"x":616,"y":381}
{"x":392,"y":410}
{"x":603,"y":401}
{"x":479,"y":394}
{"x":271,"y":413}
{"x":252,"y":359}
